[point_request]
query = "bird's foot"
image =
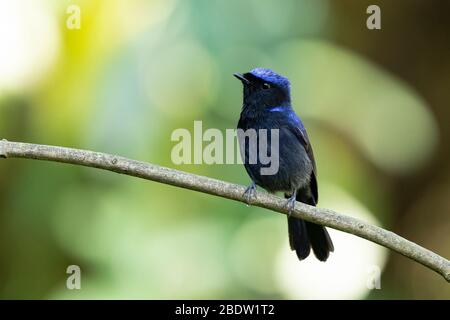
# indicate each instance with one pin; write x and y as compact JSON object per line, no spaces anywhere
{"x":250,"y":193}
{"x":290,"y":204}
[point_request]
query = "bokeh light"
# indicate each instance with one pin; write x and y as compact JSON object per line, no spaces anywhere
{"x":30,"y":41}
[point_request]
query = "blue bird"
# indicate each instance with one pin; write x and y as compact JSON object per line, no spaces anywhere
{"x":267,"y":105}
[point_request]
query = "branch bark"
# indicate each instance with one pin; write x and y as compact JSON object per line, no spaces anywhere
{"x":226,"y":190}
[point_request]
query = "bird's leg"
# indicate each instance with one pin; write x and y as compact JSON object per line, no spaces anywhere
{"x":290,"y":204}
{"x":250,"y":193}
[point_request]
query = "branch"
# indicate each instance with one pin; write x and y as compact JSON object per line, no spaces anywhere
{"x":223,"y":189}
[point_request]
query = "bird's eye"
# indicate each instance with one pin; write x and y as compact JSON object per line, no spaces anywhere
{"x":266,"y":86}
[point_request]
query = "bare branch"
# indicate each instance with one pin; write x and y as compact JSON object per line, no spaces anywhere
{"x":223,"y":189}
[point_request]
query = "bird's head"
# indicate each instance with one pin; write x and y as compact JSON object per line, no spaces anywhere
{"x":264,"y":88}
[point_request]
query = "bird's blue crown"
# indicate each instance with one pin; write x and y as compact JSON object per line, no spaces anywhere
{"x":270,"y":76}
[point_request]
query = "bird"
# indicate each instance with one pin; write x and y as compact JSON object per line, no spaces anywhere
{"x":267,"y":105}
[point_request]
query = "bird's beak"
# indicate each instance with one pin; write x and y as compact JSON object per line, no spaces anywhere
{"x":241,"y":77}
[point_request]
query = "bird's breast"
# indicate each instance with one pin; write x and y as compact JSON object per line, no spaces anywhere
{"x":290,"y":164}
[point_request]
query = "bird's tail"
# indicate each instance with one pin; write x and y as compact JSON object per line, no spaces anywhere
{"x":304,"y":236}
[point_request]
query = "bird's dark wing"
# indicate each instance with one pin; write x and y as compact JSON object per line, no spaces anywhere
{"x":296,"y":127}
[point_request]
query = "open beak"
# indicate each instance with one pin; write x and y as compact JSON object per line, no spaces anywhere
{"x":241,"y":77}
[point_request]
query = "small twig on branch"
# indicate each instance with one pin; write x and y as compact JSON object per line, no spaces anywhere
{"x":223,"y":189}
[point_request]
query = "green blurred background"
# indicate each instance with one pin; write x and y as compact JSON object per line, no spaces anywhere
{"x":375,"y":104}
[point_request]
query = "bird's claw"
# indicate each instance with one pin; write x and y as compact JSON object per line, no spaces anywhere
{"x":290,"y":204}
{"x":250,"y":193}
